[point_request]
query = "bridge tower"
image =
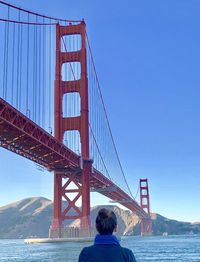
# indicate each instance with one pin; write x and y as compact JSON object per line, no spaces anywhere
{"x":146,"y":223}
{"x":79,"y":179}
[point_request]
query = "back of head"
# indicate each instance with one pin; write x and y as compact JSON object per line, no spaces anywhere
{"x":106,"y":221}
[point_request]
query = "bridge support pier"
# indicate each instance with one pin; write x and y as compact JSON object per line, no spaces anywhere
{"x":56,"y":228}
{"x":146,"y":227}
{"x":85,"y":219}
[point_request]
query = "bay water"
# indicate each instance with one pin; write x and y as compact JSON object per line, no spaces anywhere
{"x":169,"y":248}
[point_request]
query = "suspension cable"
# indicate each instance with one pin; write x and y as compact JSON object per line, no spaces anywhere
{"x":7,"y":48}
{"x":43,"y":74}
{"x":137,"y":191}
{"x":24,"y":22}
{"x":112,"y":138}
{"x":4,"y":58}
{"x":18,"y":61}
{"x":13,"y":64}
{"x":27,"y":72}
{"x":50,"y":128}
{"x":40,"y":15}
{"x":21,"y":64}
{"x":99,"y":152}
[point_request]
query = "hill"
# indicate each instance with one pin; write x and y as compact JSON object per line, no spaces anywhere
{"x":31,"y":217}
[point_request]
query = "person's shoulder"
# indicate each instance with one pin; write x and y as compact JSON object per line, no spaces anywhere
{"x":85,"y":252}
{"x":88,"y":249}
{"x":126,"y":250}
{"x":128,"y":253}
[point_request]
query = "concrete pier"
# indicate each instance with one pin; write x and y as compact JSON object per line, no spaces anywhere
{"x":57,"y":240}
{"x":65,"y":234}
{"x":72,"y":232}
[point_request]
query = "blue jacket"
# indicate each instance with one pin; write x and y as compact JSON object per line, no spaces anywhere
{"x":106,"y":248}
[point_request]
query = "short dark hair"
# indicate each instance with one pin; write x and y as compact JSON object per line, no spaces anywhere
{"x":106,"y":221}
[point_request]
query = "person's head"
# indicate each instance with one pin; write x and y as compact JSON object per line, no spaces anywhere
{"x":106,"y":222}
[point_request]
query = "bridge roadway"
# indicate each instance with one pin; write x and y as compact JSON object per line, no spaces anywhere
{"x":22,"y":136}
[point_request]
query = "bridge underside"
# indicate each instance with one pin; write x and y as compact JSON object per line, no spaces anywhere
{"x":22,"y":136}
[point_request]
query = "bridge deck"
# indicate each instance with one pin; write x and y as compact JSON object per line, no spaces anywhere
{"x":22,"y":136}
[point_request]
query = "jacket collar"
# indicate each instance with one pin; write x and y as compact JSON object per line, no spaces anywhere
{"x":106,"y":240}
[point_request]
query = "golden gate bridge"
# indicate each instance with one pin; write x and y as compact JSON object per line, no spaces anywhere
{"x":52,"y":112}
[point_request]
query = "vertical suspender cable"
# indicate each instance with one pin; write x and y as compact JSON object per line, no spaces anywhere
{"x":5,"y":57}
{"x":73,"y":98}
{"x":36,"y":69}
{"x":13,"y":64}
{"x":20,"y":66}
{"x":34,"y":47}
{"x":27,"y":73}
{"x":108,"y":124}
{"x":18,"y":61}
{"x":43,"y":76}
{"x":7,"y":48}
{"x":50,"y":128}
{"x":39,"y":76}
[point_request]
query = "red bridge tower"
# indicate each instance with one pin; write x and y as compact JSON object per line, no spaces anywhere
{"x":146,"y":223}
{"x":64,"y":179}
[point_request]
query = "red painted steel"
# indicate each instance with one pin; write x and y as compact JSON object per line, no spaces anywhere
{"x":63,"y":124}
{"x":24,"y":137}
{"x":146,"y":222}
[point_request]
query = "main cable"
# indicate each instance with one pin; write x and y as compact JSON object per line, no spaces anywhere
{"x":112,"y":138}
{"x":24,"y":22}
{"x":37,"y":14}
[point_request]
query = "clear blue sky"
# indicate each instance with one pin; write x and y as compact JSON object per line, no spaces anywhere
{"x":147,"y":55}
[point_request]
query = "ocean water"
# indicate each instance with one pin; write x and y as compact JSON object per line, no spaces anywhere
{"x":170,"y":248}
